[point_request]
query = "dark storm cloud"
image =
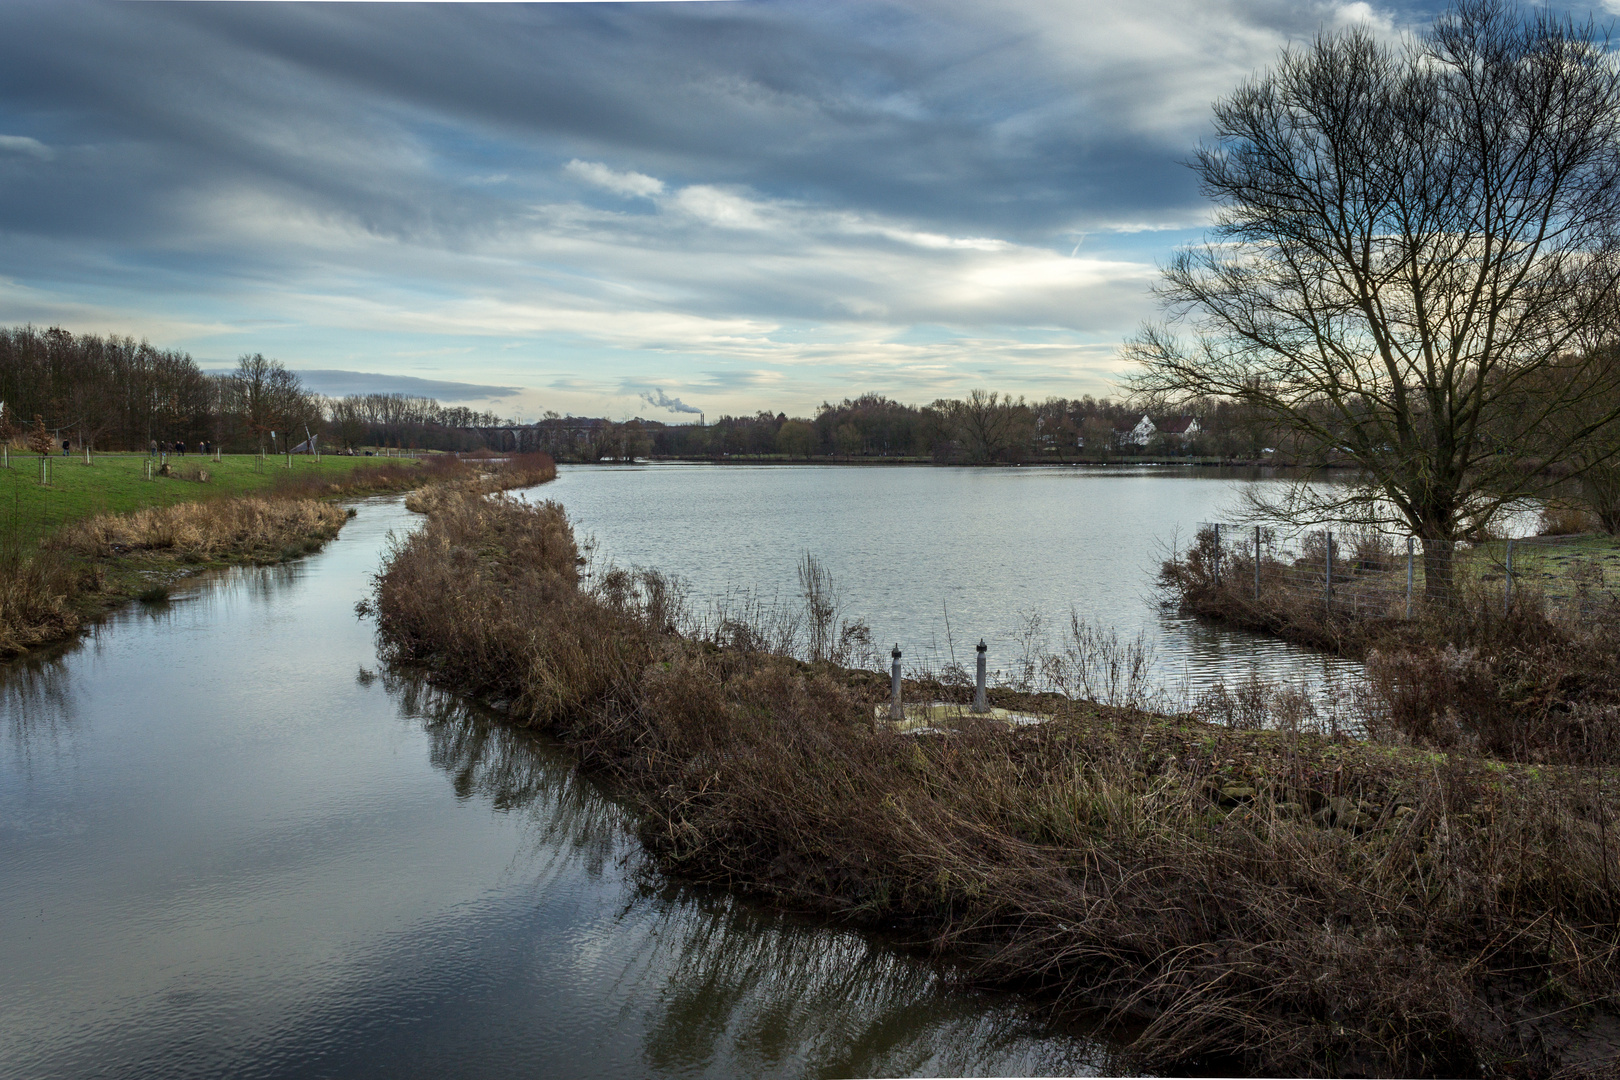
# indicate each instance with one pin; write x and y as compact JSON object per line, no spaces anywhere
{"x":946,"y":117}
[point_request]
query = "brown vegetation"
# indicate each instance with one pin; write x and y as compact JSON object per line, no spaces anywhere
{"x":1511,"y":680}
{"x":1289,"y":901}
{"x":240,"y":528}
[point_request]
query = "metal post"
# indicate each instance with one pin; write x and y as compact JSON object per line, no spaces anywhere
{"x":1327,"y":579}
{"x":1257,"y":562}
{"x":979,"y":703}
{"x":1507,"y":598}
{"x":896,"y":712}
{"x":1217,"y":554}
{"x":1409,"y":563}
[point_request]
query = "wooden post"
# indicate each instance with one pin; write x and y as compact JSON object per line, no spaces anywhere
{"x":1410,"y":559}
{"x":1327,"y":578}
{"x":980,"y":705}
{"x":896,"y":711}
{"x":1257,"y":562}
{"x":1507,"y":596}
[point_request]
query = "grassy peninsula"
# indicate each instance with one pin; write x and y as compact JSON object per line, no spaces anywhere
{"x":1272,"y":901}
{"x":101,"y":535}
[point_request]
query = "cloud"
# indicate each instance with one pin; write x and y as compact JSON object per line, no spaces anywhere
{"x":335,"y":382}
{"x":831,"y":196}
{"x":22,"y":144}
{"x":622,"y":183}
{"x":660,"y":400}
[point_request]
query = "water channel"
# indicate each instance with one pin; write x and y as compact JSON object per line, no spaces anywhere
{"x":230,"y":845}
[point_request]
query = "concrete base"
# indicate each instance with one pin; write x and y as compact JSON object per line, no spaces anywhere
{"x":937,"y":715}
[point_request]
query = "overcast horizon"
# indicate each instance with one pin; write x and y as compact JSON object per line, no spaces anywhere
{"x":622,"y":209}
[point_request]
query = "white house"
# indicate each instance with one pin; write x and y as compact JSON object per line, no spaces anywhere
{"x":1125,"y":434}
{"x":1179,"y":427}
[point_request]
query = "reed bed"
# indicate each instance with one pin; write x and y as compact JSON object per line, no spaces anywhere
{"x":204,"y":531}
{"x":1271,"y":901}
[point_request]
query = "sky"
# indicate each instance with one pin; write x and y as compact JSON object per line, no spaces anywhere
{"x":653,"y":209}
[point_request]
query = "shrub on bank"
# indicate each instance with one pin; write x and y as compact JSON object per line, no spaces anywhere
{"x":1291,"y":901}
{"x":1512,"y":680}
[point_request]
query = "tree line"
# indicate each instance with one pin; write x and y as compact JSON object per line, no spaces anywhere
{"x":114,"y":393}
{"x":983,"y":427}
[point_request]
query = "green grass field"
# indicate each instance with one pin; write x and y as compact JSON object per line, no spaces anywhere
{"x":116,"y":483}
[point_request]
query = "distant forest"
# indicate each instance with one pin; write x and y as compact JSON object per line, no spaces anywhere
{"x":114,"y":393}
{"x":983,"y":427}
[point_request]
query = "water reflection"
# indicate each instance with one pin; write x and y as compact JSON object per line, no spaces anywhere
{"x":515,"y":771}
{"x":36,"y":702}
{"x":718,"y":985}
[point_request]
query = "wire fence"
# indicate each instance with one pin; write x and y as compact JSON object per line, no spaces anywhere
{"x":1351,"y":574}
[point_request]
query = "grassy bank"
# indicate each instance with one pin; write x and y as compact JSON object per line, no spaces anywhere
{"x":53,"y":581}
{"x":117,"y":484}
{"x":1282,"y":901}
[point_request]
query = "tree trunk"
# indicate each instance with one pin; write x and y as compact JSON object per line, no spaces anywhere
{"x":1438,"y":555}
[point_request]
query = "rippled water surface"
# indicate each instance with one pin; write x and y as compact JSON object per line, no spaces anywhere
{"x":231,"y":846}
{"x":936,"y":558}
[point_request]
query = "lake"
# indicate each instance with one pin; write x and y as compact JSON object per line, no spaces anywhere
{"x":936,"y":558}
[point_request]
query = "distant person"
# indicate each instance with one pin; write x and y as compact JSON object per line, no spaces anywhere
{"x":180,"y":447}
{"x":151,"y":449}
{"x":64,"y":448}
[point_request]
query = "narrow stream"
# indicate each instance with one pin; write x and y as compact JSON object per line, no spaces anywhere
{"x":231,"y":845}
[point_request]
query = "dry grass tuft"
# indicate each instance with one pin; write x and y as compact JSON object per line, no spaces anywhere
{"x":206,"y":530}
{"x":1289,"y":902}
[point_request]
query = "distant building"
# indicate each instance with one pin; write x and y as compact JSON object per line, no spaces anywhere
{"x":1138,"y":434}
{"x":1179,"y":427}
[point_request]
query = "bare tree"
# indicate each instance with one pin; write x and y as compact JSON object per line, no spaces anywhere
{"x":1405,"y":239}
{"x":987,"y":424}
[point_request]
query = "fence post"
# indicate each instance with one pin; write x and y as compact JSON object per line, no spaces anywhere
{"x":1257,"y":562}
{"x":896,"y":712}
{"x":1217,"y":554}
{"x":1327,"y":578}
{"x":980,"y":705}
{"x":1409,"y":562}
{"x":1507,"y":597}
